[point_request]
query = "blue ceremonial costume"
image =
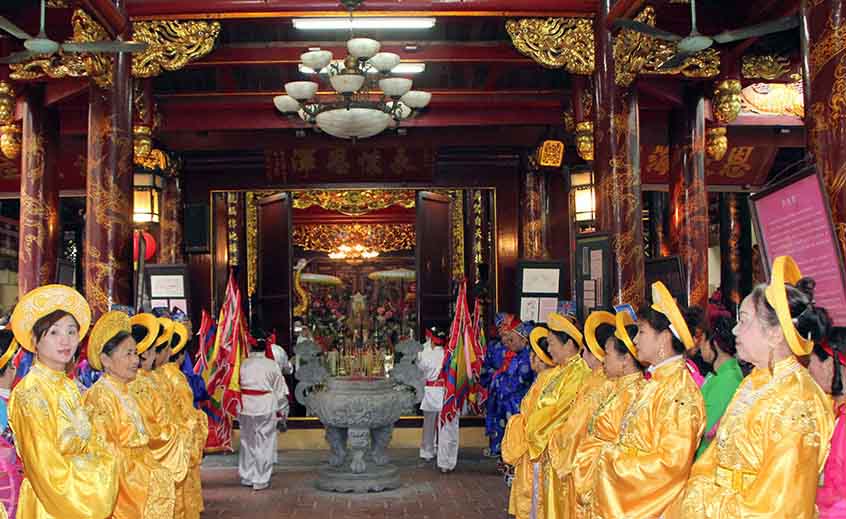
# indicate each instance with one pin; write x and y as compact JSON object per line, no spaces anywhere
{"x":508,"y":386}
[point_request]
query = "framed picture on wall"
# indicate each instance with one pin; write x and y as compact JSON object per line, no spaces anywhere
{"x":167,"y":286}
{"x":593,"y":273}
{"x":540,"y":287}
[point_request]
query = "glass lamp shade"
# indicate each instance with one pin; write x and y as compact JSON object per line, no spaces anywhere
{"x":355,"y":122}
{"x":416,"y":98}
{"x":395,"y":86}
{"x":286,"y":104}
{"x":316,"y":59}
{"x":402,"y":110}
{"x":363,"y":48}
{"x":384,"y":62}
{"x":346,"y":83}
{"x":146,"y":197}
{"x":301,"y":90}
{"x":585,"y":204}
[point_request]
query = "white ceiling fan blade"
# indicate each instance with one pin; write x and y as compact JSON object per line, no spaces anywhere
{"x":646,"y":29}
{"x":761,"y":29}
{"x":17,"y":57}
{"x":13,"y":29}
{"x":105,"y":46}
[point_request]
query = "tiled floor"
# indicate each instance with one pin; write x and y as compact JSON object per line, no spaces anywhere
{"x":474,"y":491}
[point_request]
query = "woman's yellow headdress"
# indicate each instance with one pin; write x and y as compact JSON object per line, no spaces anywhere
{"x":167,"y":333}
{"x":621,"y":320}
{"x":9,"y":353}
{"x":107,"y":326}
{"x":662,"y":301}
{"x":559,"y":323}
{"x":151,"y":324}
{"x":785,"y":270}
{"x":43,"y":301}
{"x":594,"y":321}
{"x":534,"y":337}
{"x":180,"y":331}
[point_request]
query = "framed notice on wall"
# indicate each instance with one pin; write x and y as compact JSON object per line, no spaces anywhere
{"x":793,"y":218}
{"x":167,"y":286}
{"x":540,"y":285}
{"x":594,"y":273}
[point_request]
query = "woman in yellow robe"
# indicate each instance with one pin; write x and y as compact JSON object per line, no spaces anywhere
{"x":146,"y":487}
{"x":515,"y":446}
{"x":645,"y":469}
{"x":182,"y":401}
{"x":599,"y":326}
{"x":69,"y":472}
{"x":169,"y":441}
{"x":602,"y":424}
{"x":563,"y":341}
{"x":773,"y":440}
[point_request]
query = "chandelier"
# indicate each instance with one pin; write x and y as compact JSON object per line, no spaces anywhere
{"x":366,"y":97}
{"x":353,"y":252}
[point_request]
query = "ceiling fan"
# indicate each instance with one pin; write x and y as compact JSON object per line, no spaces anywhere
{"x":40,"y":44}
{"x":695,"y":42}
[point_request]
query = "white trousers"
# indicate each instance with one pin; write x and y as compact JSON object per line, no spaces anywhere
{"x":430,"y":434}
{"x":258,"y":443}
{"x":448,"y":444}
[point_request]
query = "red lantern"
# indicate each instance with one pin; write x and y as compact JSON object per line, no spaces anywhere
{"x":149,"y":246}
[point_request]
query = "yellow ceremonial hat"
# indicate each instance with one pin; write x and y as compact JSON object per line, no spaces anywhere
{"x":785,"y":270}
{"x":537,"y":333}
{"x":559,"y":323}
{"x":151,"y":324}
{"x":167,"y":332}
{"x":9,"y":353}
{"x":180,"y":331}
{"x":594,"y":321}
{"x":662,"y":301}
{"x":621,"y":320}
{"x":107,"y":326}
{"x":42,"y":302}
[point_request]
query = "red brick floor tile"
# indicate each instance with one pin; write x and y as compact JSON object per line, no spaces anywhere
{"x":474,"y":491}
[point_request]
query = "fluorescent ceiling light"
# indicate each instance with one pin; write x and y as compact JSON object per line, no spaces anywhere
{"x":402,"y":68}
{"x":312,"y":24}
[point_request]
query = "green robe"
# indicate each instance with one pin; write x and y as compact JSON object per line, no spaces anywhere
{"x":717,"y":391}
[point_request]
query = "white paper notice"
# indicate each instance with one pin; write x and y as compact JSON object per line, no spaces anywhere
{"x":540,"y":281}
{"x":546,"y":306}
{"x":589,"y":294}
{"x":529,"y":308}
{"x":167,"y":286}
{"x":596,"y":264}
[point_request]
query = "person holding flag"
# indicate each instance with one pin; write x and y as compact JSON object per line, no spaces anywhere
{"x":263,"y":394}
{"x":462,"y":363}
{"x":431,"y":361}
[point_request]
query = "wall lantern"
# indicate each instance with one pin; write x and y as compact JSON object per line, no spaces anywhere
{"x":147,"y":195}
{"x":583,"y":197}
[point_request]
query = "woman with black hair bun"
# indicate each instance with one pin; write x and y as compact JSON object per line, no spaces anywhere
{"x":527,"y":434}
{"x":644,"y":470}
{"x":722,"y":380}
{"x":772,"y":441}
{"x":562,"y":444}
{"x":827,"y":368}
{"x":602,"y":423}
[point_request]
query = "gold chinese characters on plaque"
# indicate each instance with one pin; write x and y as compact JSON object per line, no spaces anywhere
{"x":551,"y":154}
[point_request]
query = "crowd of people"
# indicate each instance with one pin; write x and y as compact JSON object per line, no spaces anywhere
{"x":616,"y":420}
{"x":130,"y":446}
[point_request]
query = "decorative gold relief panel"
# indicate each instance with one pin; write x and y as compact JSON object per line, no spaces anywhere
{"x":555,"y":42}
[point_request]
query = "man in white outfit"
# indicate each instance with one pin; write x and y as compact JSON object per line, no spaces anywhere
{"x":263,"y":394}
{"x":430,"y":361}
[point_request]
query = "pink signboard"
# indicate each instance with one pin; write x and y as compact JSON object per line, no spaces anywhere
{"x":793,"y":219}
